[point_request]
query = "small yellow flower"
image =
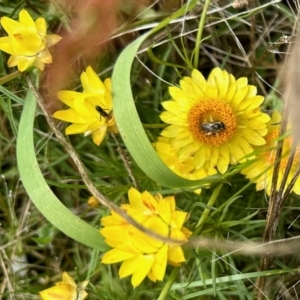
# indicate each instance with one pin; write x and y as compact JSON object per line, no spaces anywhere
{"x":260,"y":171}
{"x":27,"y":42}
{"x":66,"y":290}
{"x":140,"y":254}
{"x":215,"y":121}
{"x":90,"y":111}
{"x":93,"y":202}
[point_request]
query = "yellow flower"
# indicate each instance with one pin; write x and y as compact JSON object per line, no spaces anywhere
{"x":140,"y":254}
{"x":66,"y":290}
{"x":93,"y":202}
{"x":27,"y":42}
{"x":214,"y":121}
{"x":260,"y":171}
{"x":90,"y":111}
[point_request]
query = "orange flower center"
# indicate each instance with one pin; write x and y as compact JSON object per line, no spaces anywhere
{"x":212,"y":122}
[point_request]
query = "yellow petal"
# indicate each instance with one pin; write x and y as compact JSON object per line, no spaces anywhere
{"x":178,"y":95}
{"x":99,"y":134}
{"x":44,"y":57}
{"x":251,"y":136}
{"x":236,"y":152}
{"x":164,"y":210}
{"x":138,"y":267}
{"x":148,"y":202}
{"x":26,"y":20}
{"x":91,"y":83}
{"x":224,"y":159}
{"x":76,"y":128}
{"x":244,"y":145}
{"x":69,"y":115}
{"x":239,"y":96}
{"x":39,"y":65}
{"x":11,"y":26}
{"x":211,"y":89}
{"x":214,"y":158}
{"x":188,"y":147}
{"x":199,"y":80}
{"x":116,"y":255}
{"x":171,"y":118}
{"x":200,"y":157}
{"x":175,"y":255}
{"x":68,"y":279}
{"x":160,"y":263}
{"x":193,"y":91}
{"x":68,"y":97}
{"x":41,"y":27}
{"x":115,"y":234}
{"x":23,"y":62}
{"x":178,"y":218}
{"x":7,"y":46}
{"x":222,"y":81}
{"x":250,"y":103}
{"x":113,"y":220}
{"x":171,"y":106}
{"x":62,"y":291}
{"x":52,"y":39}
{"x":135,"y":198}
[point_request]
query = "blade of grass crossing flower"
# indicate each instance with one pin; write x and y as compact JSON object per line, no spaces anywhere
{"x":39,"y":191}
{"x":231,"y":278}
{"x":130,"y":126}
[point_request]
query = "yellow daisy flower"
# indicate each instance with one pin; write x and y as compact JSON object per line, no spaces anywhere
{"x":214,"y":121}
{"x":27,"y":42}
{"x":140,"y":254}
{"x":66,"y":290}
{"x":260,"y":171}
{"x":90,"y":111}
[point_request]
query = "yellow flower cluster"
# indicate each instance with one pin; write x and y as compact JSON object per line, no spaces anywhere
{"x":140,"y":254}
{"x":67,"y":289}
{"x":260,"y":171}
{"x":91,"y":110}
{"x":27,"y":42}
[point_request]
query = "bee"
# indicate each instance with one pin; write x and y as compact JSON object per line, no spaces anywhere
{"x":212,"y":127}
{"x":103,"y":113}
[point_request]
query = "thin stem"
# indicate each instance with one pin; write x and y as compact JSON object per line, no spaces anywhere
{"x":199,"y":33}
{"x":10,"y":77}
{"x":207,"y":210}
{"x":125,"y":160}
{"x":164,"y":293}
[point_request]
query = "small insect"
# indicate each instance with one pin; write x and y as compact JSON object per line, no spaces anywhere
{"x":103,"y":113}
{"x":212,"y":127}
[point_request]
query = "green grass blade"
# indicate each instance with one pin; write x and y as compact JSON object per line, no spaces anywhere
{"x":131,"y":128}
{"x":39,"y":191}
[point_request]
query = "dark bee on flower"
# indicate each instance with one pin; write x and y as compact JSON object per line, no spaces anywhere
{"x":103,"y":113}
{"x":210,"y":128}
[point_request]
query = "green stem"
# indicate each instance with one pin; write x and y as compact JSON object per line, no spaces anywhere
{"x":199,"y":33}
{"x":207,"y":210}
{"x":166,"y":288}
{"x":10,"y":77}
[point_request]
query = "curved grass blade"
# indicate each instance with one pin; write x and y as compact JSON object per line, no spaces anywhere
{"x":39,"y":191}
{"x":131,"y":128}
